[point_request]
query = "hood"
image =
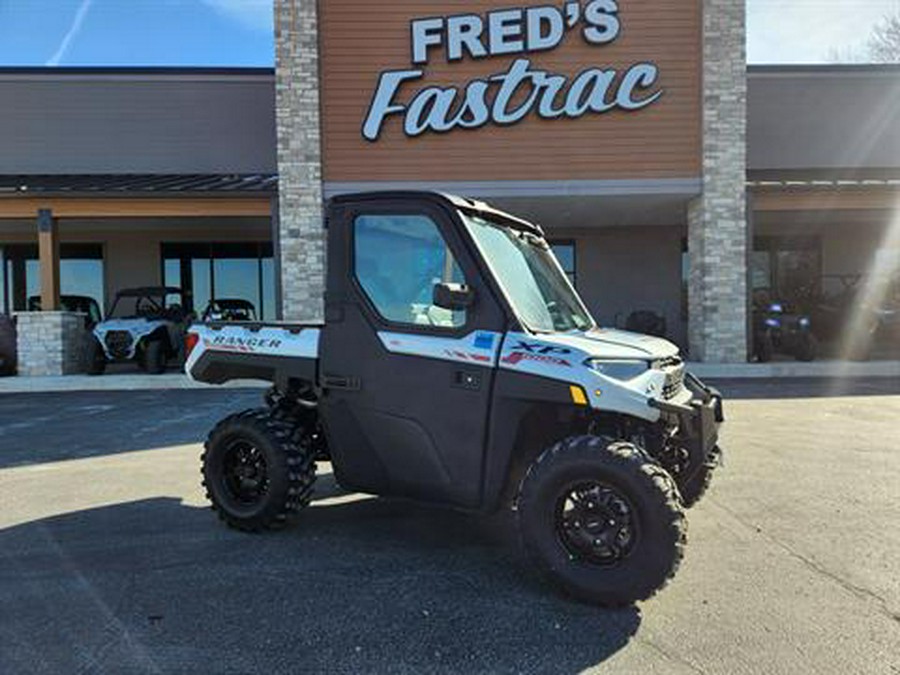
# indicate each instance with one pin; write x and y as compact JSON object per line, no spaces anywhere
{"x":614,"y":344}
{"x":135,"y":326}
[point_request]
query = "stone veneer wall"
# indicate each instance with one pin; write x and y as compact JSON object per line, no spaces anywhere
{"x":717,"y":221}
{"x":301,"y":227}
{"x":49,"y":343}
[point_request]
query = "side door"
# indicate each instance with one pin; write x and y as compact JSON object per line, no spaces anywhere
{"x":407,"y":385}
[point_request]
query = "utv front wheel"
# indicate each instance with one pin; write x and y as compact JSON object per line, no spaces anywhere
{"x":154,"y":357}
{"x":693,"y":489}
{"x":255,"y":473}
{"x":601,"y":520}
{"x":94,"y":357}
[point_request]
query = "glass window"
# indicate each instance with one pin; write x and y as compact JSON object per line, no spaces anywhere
{"x":210,"y":271}
{"x":201,"y":283}
{"x":80,"y":274}
{"x":529,"y":276}
{"x":237,"y":279}
{"x":82,"y":277}
{"x":268,"y":289}
{"x":793,"y":266}
{"x":172,"y":272}
{"x":565,"y":254}
{"x":33,"y":278}
{"x":398,"y":260}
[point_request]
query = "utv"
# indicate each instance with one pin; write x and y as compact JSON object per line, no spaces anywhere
{"x":140,"y":326}
{"x":457,"y":365}
{"x":82,"y":304}
{"x":229,"y":309}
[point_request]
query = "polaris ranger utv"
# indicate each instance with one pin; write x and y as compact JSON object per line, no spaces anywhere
{"x":457,"y":365}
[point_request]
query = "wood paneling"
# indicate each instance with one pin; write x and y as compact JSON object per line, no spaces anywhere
{"x":827,"y":199}
{"x":124,"y":207}
{"x":360,"y":39}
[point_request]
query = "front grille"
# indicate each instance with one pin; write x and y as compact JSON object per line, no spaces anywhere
{"x":673,"y":367}
{"x":118,"y":343}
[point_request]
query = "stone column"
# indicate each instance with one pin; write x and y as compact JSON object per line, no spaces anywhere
{"x":50,"y":343}
{"x":717,"y":220}
{"x":301,"y":216}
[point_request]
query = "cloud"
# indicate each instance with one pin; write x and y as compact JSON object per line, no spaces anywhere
{"x":810,"y":31}
{"x":71,"y":34}
{"x":253,"y":14}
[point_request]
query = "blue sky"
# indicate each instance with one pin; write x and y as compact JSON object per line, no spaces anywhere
{"x":136,"y":32}
{"x":239,"y":32}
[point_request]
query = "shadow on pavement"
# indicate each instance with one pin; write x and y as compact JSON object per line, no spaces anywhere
{"x":807,"y":388}
{"x":365,"y":586}
{"x":51,"y":427}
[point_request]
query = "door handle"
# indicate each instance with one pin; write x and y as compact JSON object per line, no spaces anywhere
{"x":467,"y":379}
{"x":341,"y":382}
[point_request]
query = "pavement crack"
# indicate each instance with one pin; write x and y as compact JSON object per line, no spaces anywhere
{"x":669,"y":655}
{"x":810,"y":563}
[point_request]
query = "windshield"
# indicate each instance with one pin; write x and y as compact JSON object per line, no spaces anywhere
{"x":530,"y":277}
{"x":146,"y":306}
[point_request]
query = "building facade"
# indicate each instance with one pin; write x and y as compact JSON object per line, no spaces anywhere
{"x":670,"y":177}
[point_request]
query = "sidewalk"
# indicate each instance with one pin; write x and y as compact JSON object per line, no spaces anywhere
{"x":134,"y":381}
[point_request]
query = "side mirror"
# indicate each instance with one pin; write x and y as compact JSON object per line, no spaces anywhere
{"x":453,"y":296}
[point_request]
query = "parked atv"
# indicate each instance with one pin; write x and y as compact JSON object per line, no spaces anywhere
{"x":776,"y":331}
{"x":139,"y":327}
{"x":73,"y":303}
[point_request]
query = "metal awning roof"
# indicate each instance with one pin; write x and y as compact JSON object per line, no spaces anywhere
{"x":143,"y":184}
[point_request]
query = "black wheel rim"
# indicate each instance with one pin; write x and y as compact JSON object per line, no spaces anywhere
{"x":245,"y":473}
{"x":595,"y":523}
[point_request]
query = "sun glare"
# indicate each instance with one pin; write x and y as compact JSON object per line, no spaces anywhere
{"x":876,"y":300}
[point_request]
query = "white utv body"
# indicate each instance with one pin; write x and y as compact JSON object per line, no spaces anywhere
{"x":151,"y":334}
{"x":457,"y":364}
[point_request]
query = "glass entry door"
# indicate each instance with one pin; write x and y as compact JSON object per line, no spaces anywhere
{"x":210,"y":271}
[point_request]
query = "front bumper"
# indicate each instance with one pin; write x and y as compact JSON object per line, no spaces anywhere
{"x":698,"y":420}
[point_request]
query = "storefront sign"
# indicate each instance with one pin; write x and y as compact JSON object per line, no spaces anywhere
{"x":508,"y":97}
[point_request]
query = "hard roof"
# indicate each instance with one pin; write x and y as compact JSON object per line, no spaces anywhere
{"x":148,"y":291}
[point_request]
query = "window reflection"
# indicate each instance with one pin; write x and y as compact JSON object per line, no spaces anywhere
{"x":565,"y":253}
{"x":80,"y":274}
{"x":222,"y":271}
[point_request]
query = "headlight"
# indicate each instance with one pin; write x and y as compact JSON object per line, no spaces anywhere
{"x":618,"y":370}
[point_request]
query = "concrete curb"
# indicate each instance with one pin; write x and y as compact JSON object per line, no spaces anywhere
{"x":712,"y":371}
{"x":796,"y":369}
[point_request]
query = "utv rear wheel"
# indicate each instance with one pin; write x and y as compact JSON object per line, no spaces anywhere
{"x":601,"y":520}
{"x":255,"y":474}
{"x":154,"y":357}
{"x":94,"y":357}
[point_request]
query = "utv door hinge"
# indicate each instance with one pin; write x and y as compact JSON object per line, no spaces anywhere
{"x":341,"y":382}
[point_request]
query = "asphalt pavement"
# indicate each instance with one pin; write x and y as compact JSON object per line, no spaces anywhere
{"x":111,"y":561}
